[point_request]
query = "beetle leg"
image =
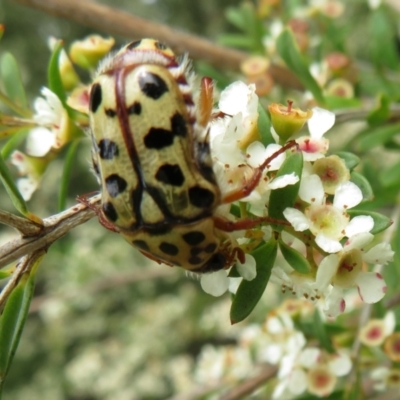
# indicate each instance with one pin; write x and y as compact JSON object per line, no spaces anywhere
{"x":251,"y":184}
{"x":245,"y":223}
{"x":206,"y":101}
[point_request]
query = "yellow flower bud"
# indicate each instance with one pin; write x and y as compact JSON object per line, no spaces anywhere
{"x":88,"y":52}
{"x":286,"y":120}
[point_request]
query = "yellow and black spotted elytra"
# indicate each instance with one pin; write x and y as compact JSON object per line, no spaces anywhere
{"x":152,"y":157}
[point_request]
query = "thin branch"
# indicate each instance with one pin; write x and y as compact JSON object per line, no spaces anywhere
{"x":117,"y":22}
{"x":24,"y":265}
{"x":23,"y":225}
{"x":249,"y":386}
{"x":54,"y":227}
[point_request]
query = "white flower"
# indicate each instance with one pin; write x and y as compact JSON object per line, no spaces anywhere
{"x":328,"y":223}
{"x":53,"y":123}
{"x":315,"y":146}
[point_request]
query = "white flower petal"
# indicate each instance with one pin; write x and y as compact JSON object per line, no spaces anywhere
{"x":309,"y":357}
{"x":276,"y":163}
{"x":234,"y":284}
{"x":390,"y":323}
{"x":311,"y":189}
{"x":371,"y":286}
{"x":347,"y":195}
{"x":256,"y":154}
{"x":334,"y":303}
{"x":27,"y":187}
{"x":382,"y":253}
{"x":358,"y":241}
{"x":248,"y":269}
{"x":39,"y":142}
{"x":283,"y":180}
{"x":237,"y":97}
{"x":320,"y":122}
{"x":328,"y":245}
{"x":326,"y":271}
{"x":340,"y":364}
{"x":297,"y":383}
{"x":359,"y":224}
{"x":216,"y":283}
{"x":297,"y":219}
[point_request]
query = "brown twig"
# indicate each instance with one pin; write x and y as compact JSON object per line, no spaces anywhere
{"x":23,"y":225}
{"x":54,"y":227}
{"x":117,"y":22}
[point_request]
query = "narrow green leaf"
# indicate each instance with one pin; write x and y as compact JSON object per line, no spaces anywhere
{"x":11,"y":188}
{"x":381,"y":222}
{"x":235,"y":40}
{"x":390,"y":176}
{"x":321,"y":334}
{"x":54,"y":76}
{"x":363,"y":184}
{"x":290,"y":53}
{"x":12,"y":81}
{"x":350,"y":159}
{"x":13,"y":143}
{"x":381,"y":44}
{"x":337,"y":102}
{"x":2,"y":28}
{"x":13,"y":319}
{"x":250,"y":292}
{"x":373,"y":138}
{"x":264,"y":126}
{"x":294,"y":258}
{"x":285,"y":197}
{"x":381,"y":112}
{"x":236,"y":18}
{"x":66,"y":175}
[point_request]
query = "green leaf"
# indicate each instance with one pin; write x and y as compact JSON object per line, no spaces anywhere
{"x":13,"y":142}
{"x":337,"y":102}
{"x":250,"y":292}
{"x":66,"y":175}
{"x":381,"y":112}
{"x":235,"y":40}
{"x":264,"y":126}
{"x":285,"y":197}
{"x":13,"y":319}
{"x":373,"y":138}
{"x":381,"y":222}
{"x":12,"y":81}
{"x":350,"y":159}
{"x":321,"y":334}
{"x":11,"y":188}
{"x":363,"y":184}
{"x":294,"y":258}
{"x":390,"y":177}
{"x":290,"y":53}
{"x":236,"y":18}
{"x":381,"y":43}
{"x":53,"y":74}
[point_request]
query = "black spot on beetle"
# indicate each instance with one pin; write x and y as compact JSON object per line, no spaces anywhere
{"x":178,"y":125}
{"x":158,"y":138}
{"x":215,"y":263}
{"x":160,"y":46}
{"x":95,"y":97}
{"x":141,"y":244}
{"x":134,"y":45}
{"x":108,"y":149}
{"x":195,"y":251}
{"x":152,"y":85}
{"x":110,"y":212}
{"x":194,"y":238}
{"x":135,"y":108}
{"x":115,"y":185}
{"x":169,"y":248}
{"x":200,"y":197}
{"x":171,"y":174}
{"x":195,"y":260}
{"x":210,"y":248}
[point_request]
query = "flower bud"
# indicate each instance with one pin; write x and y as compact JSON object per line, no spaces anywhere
{"x":88,"y":52}
{"x":286,"y":120}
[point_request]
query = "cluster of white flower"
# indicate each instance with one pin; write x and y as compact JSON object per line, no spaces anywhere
{"x":344,"y":244}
